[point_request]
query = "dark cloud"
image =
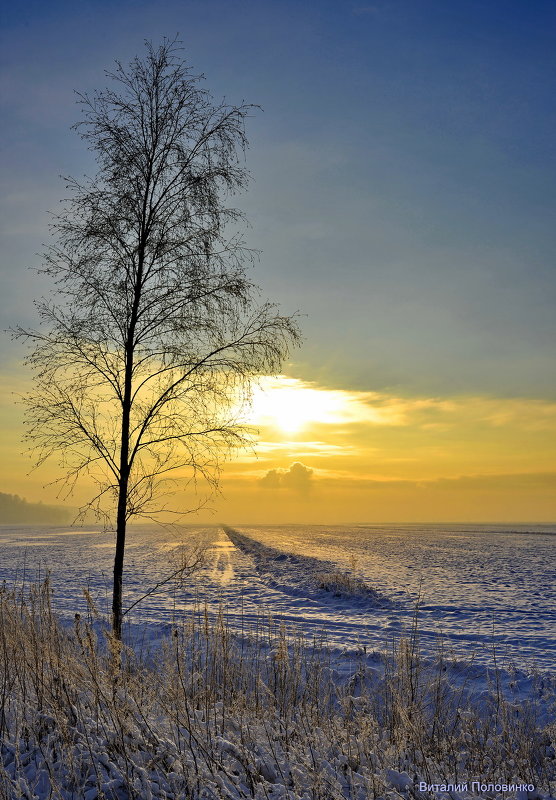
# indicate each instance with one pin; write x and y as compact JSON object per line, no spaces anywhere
{"x":297,"y":476}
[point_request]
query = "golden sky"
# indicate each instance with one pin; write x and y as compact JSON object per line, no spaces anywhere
{"x":327,"y":455}
{"x":402,"y":199}
{"x":337,"y":456}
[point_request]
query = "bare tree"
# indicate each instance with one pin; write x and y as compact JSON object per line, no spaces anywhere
{"x":154,"y":334}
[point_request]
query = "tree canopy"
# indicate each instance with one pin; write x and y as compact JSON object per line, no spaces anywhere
{"x":154,"y":332}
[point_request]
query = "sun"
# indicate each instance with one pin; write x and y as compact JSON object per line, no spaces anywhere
{"x":290,"y":405}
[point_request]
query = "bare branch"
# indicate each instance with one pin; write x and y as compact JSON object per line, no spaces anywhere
{"x":154,"y":334}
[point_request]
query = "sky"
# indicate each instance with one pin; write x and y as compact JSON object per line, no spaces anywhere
{"x":402,"y":197}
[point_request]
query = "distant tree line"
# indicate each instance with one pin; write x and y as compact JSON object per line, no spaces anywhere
{"x":16,"y":509}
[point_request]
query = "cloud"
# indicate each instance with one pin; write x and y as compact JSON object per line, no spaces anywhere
{"x":297,"y":477}
{"x":290,"y":407}
{"x":515,"y":482}
{"x":301,"y":448}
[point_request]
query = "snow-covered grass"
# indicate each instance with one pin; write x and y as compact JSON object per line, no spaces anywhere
{"x":216,"y":714}
{"x":294,"y":573}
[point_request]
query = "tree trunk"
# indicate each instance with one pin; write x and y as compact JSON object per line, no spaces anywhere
{"x":119,"y":560}
{"x":125,"y":466}
{"x":121,"y":518}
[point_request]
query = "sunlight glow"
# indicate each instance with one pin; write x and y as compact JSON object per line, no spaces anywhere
{"x":290,"y":405}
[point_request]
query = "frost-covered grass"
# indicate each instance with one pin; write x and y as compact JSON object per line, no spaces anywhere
{"x":297,"y":574}
{"x":341,"y":584}
{"x":212,"y":714}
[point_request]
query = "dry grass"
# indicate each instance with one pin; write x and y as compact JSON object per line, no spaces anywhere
{"x":219,"y":716}
{"x":342,"y":584}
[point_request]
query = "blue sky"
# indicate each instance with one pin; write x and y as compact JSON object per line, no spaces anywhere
{"x":403,"y":189}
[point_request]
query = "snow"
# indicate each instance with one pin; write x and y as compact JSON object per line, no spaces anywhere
{"x":478,"y":587}
{"x":484,"y":598}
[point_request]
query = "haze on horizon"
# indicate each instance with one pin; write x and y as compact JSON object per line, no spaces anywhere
{"x":403,"y":199}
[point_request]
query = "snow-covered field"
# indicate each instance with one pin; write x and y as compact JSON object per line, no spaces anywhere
{"x":319,"y":663}
{"x":480,"y":587}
